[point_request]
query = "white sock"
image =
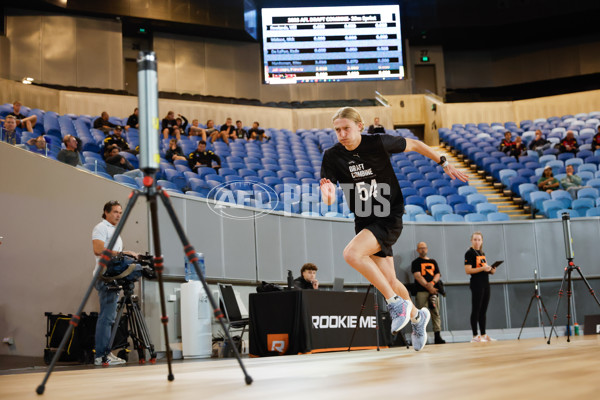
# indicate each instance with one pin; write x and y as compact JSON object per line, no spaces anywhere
{"x":393,"y":299}
{"x":416,"y":318}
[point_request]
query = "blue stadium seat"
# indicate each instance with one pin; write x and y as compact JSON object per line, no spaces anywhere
{"x":464,"y":209}
{"x":424,"y":218}
{"x":467,"y":190}
{"x":525,"y":190}
{"x":474,"y":217}
{"x":593,"y":212}
{"x":537,"y":199}
{"x":476,"y":198}
{"x":413,"y":210}
{"x":427,"y":191}
{"x":498,"y":216}
{"x":435,"y":199}
{"x":550,"y":207}
{"x":582,"y":205}
{"x":588,"y":192}
{"x":486,"y":208}
{"x":454,"y":199}
{"x":559,"y":213}
{"x":453,"y":218}
{"x":440,"y":209}
{"x":416,"y":200}
{"x":447,"y":191}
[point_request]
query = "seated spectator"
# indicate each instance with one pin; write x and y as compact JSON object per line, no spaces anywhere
{"x":117,"y":139}
{"x":181,"y":122}
{"x":308,"y":277}
{"x":547,"y":181}
{"x":117,"y":164}
{"x":37,"y":145}
{"x":228,"y":129}
{"x":376,"y":127}
{"x":11,"y":135}
{"x":572,"y":183}
{"x":23,"y":122}
{"x":196,"y":130}
{"x":102,"y":123}
{"x":255,"y":133}
{"x":167,"y":125}
{"x":240,"y":132}
{"x":70,"y":154}
{"x":133,"y":120}
{"x":214,"y":134}
{"x":569,"y":144}
{"x":539,"y":144}
{"x":507,"y":145}
{"x":203,"y":158}
{"x":596,"y":140}
{"x":174,"y":152}
{"x":518,"y":148}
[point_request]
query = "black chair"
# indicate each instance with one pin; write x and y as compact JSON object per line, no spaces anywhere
{"x":230,"y":308}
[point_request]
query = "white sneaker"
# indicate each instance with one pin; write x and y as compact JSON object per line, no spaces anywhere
{"x":116,"y":360}
{"x":477,"y":339}
{"x":111,"y":359}
{"x":487,"y":338}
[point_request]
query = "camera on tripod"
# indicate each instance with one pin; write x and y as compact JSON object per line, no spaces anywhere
{"x":124,"y":270}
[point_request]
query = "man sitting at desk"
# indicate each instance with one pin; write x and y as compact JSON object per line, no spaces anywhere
{"x":308,"y":280}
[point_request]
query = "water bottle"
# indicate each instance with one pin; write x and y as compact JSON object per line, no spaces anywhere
{"x":576,"y":329}
{"x":290,"y":280}
{"x":190,"y":271}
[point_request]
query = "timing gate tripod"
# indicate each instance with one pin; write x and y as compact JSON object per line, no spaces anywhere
{"x":540,"y":304}
{"x":136,"y":325}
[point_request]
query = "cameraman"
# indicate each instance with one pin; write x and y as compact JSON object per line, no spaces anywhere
{"x":108,"y":295}
{"x":427,"y":275}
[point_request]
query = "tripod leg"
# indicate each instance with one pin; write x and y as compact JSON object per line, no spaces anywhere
{"x":376,"y":304}
{"x":525,"y":319}
{"x":113,"y":332}
{"x":569,"y":293}
{"x":588,"y":285}
{"x":560,"y":294}
{"x":159,"y":265}
{"x":104,"y":259}
{"x":143,"y":332}
{"x":547,"y":315}
{"x":191,"y":255}
{"x":362,"y":308}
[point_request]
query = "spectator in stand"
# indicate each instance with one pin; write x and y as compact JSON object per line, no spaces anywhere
{"x":308,"y":278}
{"x":11,"y":135}
{"x":228,"y":129}
{"x":519,"y":148}
{"x":117,"y":164}
{"x":596,"y":140}
{"x":117,"y":139}
{"x":569,"y":144}
{"x":376,"y":127}
{"x":547,"y":181}
{"x":23,"y":122}
{"x":174,"y":152}
{"x":168,"y":123}
{"x":196,"y":130}
{"x":539,"y":144}
{"x":214,"y":134}
{"x":133,"y":120}
{"x":255,"y":133}
{"x":240,"y":132}
{"x":102,"y":123}
{"x":571,"y":182}
{"x":37,"y":145}
{"x":69,"y":155}
{"x":507,"y":145}
{"x":181,"y":122}
{"x":203,"y":158}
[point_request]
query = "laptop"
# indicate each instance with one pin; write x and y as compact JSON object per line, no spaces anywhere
{"x":338,"y":285}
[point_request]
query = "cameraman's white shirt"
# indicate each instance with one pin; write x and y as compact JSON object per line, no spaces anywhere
{"x":104,"y":231}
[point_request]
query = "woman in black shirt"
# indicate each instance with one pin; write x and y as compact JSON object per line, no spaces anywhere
{"x":476,"y":266}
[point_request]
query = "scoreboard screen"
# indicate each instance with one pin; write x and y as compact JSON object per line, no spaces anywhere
{"x":331,"y":44}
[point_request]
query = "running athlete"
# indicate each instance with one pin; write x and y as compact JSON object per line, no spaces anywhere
{"x":361,"y":165}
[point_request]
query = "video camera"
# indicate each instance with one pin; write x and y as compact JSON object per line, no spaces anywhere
{"x":125,"y":269}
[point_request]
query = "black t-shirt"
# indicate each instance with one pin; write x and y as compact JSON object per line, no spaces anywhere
{"x":241,"y":133}
{"x":229,"y":129}
{"x":375,"y":129}
{"x":133,"y":121}
{"x":18,"y":116}
{"x":427,"y":268}
{"x":119,"y":141}
{"x":362,"y":172}
{"x":301,"y":283}
{"x":205,"y":158}
{"x":475,"y":258}
{"x":99,"y":123}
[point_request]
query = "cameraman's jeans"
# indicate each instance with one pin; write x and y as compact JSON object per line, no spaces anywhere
{"x":106,"y":317}
{"x":422,"y":300}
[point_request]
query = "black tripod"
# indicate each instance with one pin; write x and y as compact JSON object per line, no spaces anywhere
{"x":567,"y":277}
{"x":136,"y":325}
{"x":540,"y":304}
{"x":149,"y":163}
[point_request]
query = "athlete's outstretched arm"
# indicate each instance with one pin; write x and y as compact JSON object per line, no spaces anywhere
{"x":422,"y":148}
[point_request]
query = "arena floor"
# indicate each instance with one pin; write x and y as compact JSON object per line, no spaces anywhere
{"x":511,"y":369}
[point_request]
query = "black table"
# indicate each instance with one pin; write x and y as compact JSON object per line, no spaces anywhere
{"x":309,"y":321}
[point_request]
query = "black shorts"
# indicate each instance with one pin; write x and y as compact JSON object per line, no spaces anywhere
{"x":386,"y":230}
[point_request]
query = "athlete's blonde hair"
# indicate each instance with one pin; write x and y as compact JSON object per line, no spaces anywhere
{"x":348,"y":113}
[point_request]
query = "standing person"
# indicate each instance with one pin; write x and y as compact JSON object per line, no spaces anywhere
{"x":427,"y":275}
{"x":307,"y":278}
{"x":109,"y":295}
{"x":476,"y":266}
{"x":362,"y":166}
